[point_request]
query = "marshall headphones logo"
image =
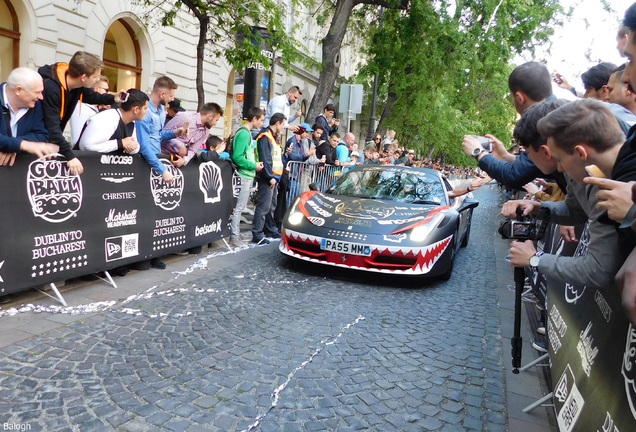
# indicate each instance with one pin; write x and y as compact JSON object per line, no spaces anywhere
{"x":210,"y":182}
{"x":54,"y":194}
{"x":167,"y":195}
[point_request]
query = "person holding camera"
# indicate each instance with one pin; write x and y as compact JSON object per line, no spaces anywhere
{"x":598,"y":138}
{"x":529,"y":84}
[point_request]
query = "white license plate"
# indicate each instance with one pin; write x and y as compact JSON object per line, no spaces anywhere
{"x":345,"y":247}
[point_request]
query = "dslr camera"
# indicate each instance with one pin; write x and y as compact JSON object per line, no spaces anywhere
{"x":525,"y":227}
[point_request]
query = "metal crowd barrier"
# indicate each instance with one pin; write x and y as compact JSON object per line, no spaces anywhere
{"x":302,"y":174}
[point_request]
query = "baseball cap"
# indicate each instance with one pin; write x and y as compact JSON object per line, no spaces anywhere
{"x":355,"y":153}
{"x":176,"y":105}
{"x":307,"y":127}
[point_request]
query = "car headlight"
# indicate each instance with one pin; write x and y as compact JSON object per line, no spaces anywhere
{"x":421,"y":232}
{"x":295,"y":218}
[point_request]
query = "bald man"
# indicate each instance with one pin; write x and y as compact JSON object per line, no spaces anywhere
{"x":22,"y":127}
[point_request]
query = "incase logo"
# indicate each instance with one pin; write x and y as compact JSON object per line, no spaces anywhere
{"x":116,"y":160}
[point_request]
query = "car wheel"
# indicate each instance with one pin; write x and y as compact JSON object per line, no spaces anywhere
{"x":467,"y":234}
{"x":448,"y":273}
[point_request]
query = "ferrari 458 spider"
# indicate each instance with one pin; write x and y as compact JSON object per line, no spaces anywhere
{"x":380,"y":218}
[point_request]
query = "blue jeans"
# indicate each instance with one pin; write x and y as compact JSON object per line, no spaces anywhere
{"x":264,"y":223}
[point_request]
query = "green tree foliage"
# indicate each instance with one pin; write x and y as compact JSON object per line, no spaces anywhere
{"x":227,"y":29}
{"x":444,"y":67}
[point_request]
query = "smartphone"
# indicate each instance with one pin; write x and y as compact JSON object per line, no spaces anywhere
{"x":123,"y":96}
{"x":594,"y":171}
{"x":186,"y":127}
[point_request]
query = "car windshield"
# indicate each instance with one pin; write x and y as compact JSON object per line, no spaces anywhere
{"x":402,"y":185}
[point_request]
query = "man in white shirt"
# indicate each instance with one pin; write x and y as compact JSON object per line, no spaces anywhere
{"x":113,"y":130}
{"x":282,"y":104}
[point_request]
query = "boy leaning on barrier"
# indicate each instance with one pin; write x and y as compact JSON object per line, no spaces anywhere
{"x":599,"y":266}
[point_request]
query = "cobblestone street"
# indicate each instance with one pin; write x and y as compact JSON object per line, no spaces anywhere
{"x":264,"y":343}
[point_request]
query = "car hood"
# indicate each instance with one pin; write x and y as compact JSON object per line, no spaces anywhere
{"x":374,"y":216}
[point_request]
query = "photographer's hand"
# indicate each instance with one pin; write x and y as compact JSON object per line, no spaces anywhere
{"x":469,"y":144}
{"x":521,"y":252}
{"x":499,"y":150}
{"x":613,"y":196}
{"x":509,"y":209}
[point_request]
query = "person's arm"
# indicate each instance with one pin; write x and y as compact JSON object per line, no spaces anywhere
{"x":265,"y":156}
{"x":90,"y":96}
{"x":146,"y":149}
{"x":51,"y":108}
{"x":596,"y":269}
{"x":512,"y":174}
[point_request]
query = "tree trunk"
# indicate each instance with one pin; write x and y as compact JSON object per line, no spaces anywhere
{"x":330,"y":51}
{"x":386,"y":110}
{"x":204,"y":22}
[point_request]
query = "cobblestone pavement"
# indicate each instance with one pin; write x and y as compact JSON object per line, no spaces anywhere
{"x":273,"y":345}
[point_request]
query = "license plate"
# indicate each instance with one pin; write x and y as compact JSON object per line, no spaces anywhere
{"x":345,"y":247}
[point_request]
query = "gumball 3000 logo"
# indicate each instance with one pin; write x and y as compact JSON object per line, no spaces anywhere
{"x":167,"y":195}
{"x":54,"y":194}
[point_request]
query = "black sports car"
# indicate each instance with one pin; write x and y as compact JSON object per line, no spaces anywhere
{"x":380,"y":218}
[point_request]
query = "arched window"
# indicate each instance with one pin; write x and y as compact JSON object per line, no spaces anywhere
{"x":9,"y":39}
{"x":122,"y":57}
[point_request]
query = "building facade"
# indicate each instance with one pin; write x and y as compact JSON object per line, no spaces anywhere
{"x":136,"y":49}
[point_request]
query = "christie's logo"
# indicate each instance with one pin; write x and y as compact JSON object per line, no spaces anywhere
{"x":208,"y":228}
{"x":167,"y":195}
{"x":55,"y":196}
{"x":210,"y":182}
{"x":118,"y":196}
{"x":116,"y":160}
{"x":118,"y":219}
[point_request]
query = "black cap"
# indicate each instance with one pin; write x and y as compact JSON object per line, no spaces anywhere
{"x":176,"y":105}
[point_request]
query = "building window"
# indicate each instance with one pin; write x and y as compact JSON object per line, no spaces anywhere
{"x":9,"y":39}
{"x":122,"y":57}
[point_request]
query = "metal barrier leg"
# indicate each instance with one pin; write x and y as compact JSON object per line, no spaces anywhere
{"x":534,"y":362}
{"x":108,"y":279}
{"x":58,"y":297}
{"x":538,"y":402}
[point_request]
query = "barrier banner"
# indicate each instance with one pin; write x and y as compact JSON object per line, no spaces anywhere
{"x":592,"y":353}
{"x":57,"y":226}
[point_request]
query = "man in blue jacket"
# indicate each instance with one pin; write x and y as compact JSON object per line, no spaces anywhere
{"x":22,"y":126}
{"x":529,"y":84}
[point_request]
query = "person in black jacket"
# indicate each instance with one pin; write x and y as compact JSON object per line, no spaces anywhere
{"x":328,"y":123}
{"x":328,"y":149}
{"x":23,"y":90}
{"x":64,"y":86}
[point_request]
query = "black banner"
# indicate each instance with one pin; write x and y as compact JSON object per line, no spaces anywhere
{"x":592,"y":351}
{"x":57,"y":226}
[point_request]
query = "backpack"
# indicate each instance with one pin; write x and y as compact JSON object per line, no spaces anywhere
{"x":229,"y":148}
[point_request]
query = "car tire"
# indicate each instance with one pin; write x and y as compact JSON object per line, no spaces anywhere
{"x":467,"y":234}
{"x":448,"y":273}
